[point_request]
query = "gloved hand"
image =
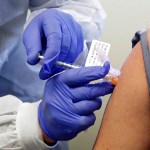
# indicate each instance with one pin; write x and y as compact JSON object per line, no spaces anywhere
{"x":56,"y":35}
{"x":69,"y":101}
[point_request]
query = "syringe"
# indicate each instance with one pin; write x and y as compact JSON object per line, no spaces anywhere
{"x":108,"y":77}
{"x":63,"y":64}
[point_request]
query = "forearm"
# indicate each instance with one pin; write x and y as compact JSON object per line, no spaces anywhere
{"x":126,"y":122}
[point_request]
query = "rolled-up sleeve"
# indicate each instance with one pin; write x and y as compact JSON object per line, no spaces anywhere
{"x":19,"y":126}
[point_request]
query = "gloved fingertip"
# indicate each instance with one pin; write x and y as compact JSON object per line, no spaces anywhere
{"x":99,"y":105}
{"x":32,"y":60}
{"x":107,"y":66}
{"x":106,"y":88}
{"x":98,"y":100}
{"x":87,"y":121}
{"x":111,"y":86}
{"x":110,"y":89}
{"x":44,"y":74}
{"x":93,"y":119}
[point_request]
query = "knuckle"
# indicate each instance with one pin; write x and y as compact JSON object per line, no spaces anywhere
{"x":52,"y":36}
{"x":70,"y":131}
{"x":85,"y":104}
{"x":82,"y":121}
{"x":91,"y":93}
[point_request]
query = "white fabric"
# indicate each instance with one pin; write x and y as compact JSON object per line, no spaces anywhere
{"x":29,"y":132}
{"x":8,"y":112}
{"x":19,"y":127}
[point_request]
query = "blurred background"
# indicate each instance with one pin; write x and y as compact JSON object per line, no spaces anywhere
{"x":124,"y":18}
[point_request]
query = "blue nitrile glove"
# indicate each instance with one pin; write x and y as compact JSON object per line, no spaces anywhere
{"x":57,"y":36}
{"x":69,"y":101}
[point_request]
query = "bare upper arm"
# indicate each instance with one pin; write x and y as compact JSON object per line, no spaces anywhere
{"x":126,"y":122}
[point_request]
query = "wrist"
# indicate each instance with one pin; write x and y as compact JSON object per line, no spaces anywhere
{"x":48,"y":140}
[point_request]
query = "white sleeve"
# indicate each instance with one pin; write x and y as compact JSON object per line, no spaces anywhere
{"x":19,"y":127}
{"x":8,"y":112}
{"x":88,"y":13}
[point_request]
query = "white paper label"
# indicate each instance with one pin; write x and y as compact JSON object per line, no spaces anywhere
{"x":97,"y":54}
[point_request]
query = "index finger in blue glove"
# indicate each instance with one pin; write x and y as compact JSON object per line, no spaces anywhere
{"x":32,"y":43}
{"x":86,"y":121}
{"x":84,"y":75}
{"x":52,"y":31}
{"x":91,"y":91}
{"x":87,"y":107}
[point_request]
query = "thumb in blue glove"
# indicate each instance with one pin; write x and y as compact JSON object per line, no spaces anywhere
{"x":57,"y":36}
{"x":69,"y":101}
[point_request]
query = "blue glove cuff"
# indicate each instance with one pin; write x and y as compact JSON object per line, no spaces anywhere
{"x":41,"y":121}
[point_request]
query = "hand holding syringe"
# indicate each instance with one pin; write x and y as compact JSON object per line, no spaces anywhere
{"x":96,"y":57}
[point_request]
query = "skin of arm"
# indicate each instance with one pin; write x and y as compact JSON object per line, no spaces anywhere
{"x":47,"y":139}
{"x":126,"y":122}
